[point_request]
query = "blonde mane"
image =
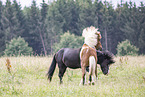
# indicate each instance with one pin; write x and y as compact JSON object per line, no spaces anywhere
{"x":91,"y":35}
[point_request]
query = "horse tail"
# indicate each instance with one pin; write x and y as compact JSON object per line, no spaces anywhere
{"x":92,"y":65}
{"x":52,"y":68}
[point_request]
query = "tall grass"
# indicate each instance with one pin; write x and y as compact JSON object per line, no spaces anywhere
{"x":28,"y":78}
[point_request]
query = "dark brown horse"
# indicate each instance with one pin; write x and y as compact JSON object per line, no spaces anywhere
{"x":70,"y":58}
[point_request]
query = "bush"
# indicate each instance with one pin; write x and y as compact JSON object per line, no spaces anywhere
{"x":68,"y":41}
{"x":17,"y":46}
{"x":125,"y":48}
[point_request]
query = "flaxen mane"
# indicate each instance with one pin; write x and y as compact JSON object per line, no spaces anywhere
{"x":91,"y":35}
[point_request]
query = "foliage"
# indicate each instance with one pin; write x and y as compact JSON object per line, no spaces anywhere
{"x":42,"y":26}
{"x":68,"y":40}
{"x":17,"y":46}
{"x":125,"y":48}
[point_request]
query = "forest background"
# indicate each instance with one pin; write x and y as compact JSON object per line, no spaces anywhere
{"x":43,"y":28}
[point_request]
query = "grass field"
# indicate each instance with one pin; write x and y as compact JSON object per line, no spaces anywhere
{"x":28,"y":79}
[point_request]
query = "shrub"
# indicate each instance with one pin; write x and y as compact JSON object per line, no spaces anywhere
{"x":68,"y":40}
{"x":17,"y":46}
{"x":125,"y":48}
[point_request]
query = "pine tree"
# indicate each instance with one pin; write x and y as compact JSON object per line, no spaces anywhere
{"x":54,"y":22}
{"x":107,"y":21}
{"x":33,"y":23}
{"x":10,"y":22}
{"x":86,"y":14}
{"x":20,"y":16}
{"x":1,"y":12}
{"x":141,"y":40}
{"x":70,"y":11}
{"x":2,"y":35}
{"x":42,"y":32}
{"x":98,"y":14}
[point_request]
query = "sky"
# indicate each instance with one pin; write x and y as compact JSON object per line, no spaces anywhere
{"x":114,"y":2}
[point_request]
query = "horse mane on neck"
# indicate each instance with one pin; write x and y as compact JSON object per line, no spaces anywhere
{"x":91,"y":35}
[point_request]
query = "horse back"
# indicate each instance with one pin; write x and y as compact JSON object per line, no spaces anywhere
{"x":71,"y":57}
{"x":87,"y":52}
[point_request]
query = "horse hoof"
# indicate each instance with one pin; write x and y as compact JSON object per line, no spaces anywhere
{"x":93,"y":83}
{"x":61,"y":82}
{"x":89,"y":83}
{"x":85,"y":83}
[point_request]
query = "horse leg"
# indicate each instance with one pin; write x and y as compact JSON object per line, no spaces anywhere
{"x":90,"y":77}
{"x":96,"y":73}
{"x":62,"y":70}
{"x":83,"y":75}
{"x":92,"y":68}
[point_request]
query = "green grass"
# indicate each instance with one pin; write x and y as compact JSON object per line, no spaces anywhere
{"x":28,"y":79}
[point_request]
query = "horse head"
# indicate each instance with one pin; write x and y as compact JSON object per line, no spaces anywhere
{"x":105,"y":59}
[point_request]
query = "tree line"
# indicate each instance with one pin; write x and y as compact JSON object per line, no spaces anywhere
{"x":43,"y":26}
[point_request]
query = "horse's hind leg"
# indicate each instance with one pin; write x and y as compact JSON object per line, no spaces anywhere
{"x":90,"y":75}
{"x":83,"y":75}
{"x":90,"y":79}
{"x":96,"y":73}
{"x":62,"y":70}
{"x":92,"y":68}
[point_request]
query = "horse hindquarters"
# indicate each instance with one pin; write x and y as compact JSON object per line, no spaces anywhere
{"x":92,"y":69}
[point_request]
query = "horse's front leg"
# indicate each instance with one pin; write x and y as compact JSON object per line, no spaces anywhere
{"x":83,"y":75}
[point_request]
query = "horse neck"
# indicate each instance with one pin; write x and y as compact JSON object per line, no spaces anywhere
{"x":90,"y":44}
{"x":87,"y":46}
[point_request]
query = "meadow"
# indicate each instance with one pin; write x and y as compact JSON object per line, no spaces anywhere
{"x":28,"y":79}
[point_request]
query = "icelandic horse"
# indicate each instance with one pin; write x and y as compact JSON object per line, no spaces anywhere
{"x":88,"y":55}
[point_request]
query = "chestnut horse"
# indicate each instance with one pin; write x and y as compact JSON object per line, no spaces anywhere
{"x":88,"y":54}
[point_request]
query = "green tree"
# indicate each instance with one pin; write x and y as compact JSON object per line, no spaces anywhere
{"x":18,"y":13}
{"x":134,"y":26}
{"x":10,"y":23}
{"x":54,"y":23}
{"x":98,"y":14}
{"x":17,"y":46}
{"x":42,"y":27}
{"x":142,"y":42}
{"x":2,"y":35}
{"x":33,"y":23}
{"x":109,"y":35}
{"x":68,"y":41}
{"x":70,"y":11}
{"x":86,"y":14}
{"x":125,"y":48}
{"x":1,"y":12}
